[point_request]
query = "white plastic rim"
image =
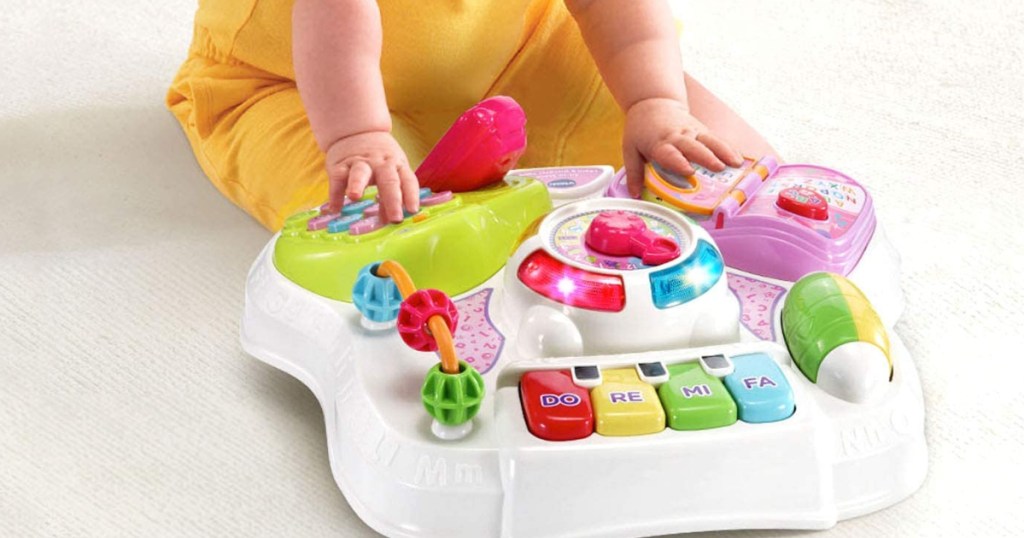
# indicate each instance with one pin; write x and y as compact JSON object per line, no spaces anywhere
{"x":445,"y":432}
{"x":377,"y":326}
{"x":857,"y":372}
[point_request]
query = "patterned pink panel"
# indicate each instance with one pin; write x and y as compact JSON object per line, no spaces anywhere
{"x":477,"y":340}
{"x":757,"y":304}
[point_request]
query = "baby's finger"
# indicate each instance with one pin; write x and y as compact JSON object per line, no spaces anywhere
{"x":358,"y":178}
{"x":671,"y":158}
{"x":410,"y":189}
{"x":337,"y":180}
{"x":389,"y":187}
{"x":721,"y":149}
{"x":634,"y":171}
{"x":700,"y":154}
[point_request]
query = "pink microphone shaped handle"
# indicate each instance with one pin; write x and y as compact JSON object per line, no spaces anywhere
{"x":622,"y":233}
{"x":479,"y":148}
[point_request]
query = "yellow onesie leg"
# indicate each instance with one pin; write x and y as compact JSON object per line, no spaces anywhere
{"x":250,"y":134}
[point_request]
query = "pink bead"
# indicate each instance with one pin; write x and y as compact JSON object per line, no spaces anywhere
{"x":414,"y":316}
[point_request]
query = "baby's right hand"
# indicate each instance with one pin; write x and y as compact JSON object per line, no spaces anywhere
{"x":373,"y":157}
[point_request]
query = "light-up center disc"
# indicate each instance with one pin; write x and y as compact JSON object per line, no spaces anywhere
{"x":567,"y":238}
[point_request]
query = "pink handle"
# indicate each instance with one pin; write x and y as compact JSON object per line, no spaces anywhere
{"x":479,"y":148}
{"x":622,"y":233}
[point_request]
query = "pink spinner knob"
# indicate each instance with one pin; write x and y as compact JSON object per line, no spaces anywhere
{"x":623,"y":233}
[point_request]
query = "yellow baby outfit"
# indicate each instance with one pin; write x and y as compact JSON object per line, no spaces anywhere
{"x":235,"y":95}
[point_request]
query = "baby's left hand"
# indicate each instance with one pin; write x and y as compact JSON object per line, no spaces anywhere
{"x":663,"y":131}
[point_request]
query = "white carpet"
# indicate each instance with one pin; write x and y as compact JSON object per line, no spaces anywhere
{"x":127,"y":408}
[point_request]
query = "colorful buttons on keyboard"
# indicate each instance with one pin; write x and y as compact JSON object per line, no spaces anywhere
{"x":625,"y":405}
{"x":299,"y":220}
{"x":695,"y":400}
{"x":437,"y":199}
{"x":342,"y":224}
{"x":692,"y":395}
{"x":360,"y":217}
{"x":760,"y":389}
{"x":320,"y":222}
{"x":355,"y":208}
{"x":374,"y":211}
{"x":555,"y":408}
{"x":365,"y":226}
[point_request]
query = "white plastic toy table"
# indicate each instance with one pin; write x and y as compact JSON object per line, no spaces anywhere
{"x":590,"y":425}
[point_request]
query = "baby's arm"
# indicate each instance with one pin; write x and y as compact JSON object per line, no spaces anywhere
{"x":336,"y":50}
{"x":635,"y":46}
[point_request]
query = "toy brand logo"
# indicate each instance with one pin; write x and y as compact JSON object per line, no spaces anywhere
{"x":878,"y":433}
{"x":633,"y":396}
{"x":300,"y":312}
{"x":758,"y":382}
{"x":696,"y":390}
{"x":567,"y":399}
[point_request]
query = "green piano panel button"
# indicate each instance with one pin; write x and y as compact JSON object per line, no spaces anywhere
{"x":694,"y":400}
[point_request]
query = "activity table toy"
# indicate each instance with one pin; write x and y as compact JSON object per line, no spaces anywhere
{"x":539,"y":355}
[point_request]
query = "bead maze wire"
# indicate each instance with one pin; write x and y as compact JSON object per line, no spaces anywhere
{"x":438,"y":328}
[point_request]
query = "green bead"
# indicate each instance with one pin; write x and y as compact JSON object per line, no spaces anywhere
{"x":453,"y":399}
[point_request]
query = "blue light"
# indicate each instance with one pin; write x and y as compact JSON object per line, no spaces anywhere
{"x":685,"y":282}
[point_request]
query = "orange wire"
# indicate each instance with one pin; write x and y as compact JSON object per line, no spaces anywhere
{"x":438,"y":328}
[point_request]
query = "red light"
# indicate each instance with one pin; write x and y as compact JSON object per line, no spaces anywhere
{"x":568,"y":285}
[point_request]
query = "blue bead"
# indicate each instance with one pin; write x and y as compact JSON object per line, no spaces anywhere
{"x":424,"y":192}
{"x":377,"y":298}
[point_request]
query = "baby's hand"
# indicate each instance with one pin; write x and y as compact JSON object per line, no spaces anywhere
{"x":372,"y":158}
{"x":663,"y":131}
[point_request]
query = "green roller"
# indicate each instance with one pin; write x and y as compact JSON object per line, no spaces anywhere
{"x":824,"y":311}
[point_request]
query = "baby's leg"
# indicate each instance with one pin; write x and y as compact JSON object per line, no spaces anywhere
{"x":721,"y":119}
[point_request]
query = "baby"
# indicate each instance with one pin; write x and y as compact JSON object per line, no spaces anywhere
{"x":289,"y":102}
